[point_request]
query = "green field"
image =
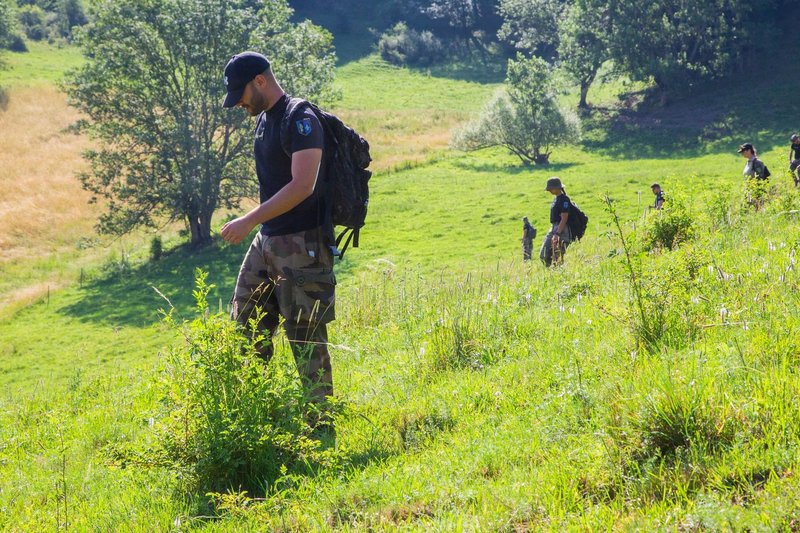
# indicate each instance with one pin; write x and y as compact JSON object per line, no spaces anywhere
{"x":480,"y":393}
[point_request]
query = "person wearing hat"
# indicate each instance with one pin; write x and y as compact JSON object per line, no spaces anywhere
{"x":754,"y":168}
{"x":288,"y":270}
{"x":659,"y":203}
{"x":558,"y":238}
{"x":794,"y":158}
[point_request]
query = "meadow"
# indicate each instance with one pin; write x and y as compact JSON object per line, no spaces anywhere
{"x":637,"y":387}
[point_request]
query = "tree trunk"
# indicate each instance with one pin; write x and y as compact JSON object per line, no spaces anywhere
{"x":200,"y":225}
{"x":584,"y":92}
{"x":543,"y":159}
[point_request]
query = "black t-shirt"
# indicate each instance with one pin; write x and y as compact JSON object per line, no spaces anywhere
{"x":560,"y":205}
{"x":659,"y":198}
{"x":274,"y":166}
{"x":794,"y":149}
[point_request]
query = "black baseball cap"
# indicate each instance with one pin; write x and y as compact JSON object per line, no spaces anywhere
{"x":240,"y":70}
{"x":746,"y":146}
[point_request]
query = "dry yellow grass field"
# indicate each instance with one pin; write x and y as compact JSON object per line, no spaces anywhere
{"x":42,"y":205}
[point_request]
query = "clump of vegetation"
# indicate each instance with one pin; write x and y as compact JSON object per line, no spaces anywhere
{"x":156,"y":248}
{"x":526,"y":118}
{"x":401,"y":45}
{"x":230,"y":422}
{"x":669,"y":227}
{"x":46,"y":19}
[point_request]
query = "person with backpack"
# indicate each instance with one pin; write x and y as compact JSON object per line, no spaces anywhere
{"x":560,"y":235}
{"x":754,"y":168}
{"x":288,"y":270}
{"x":794,"y":159}
{"x":659,"y":202}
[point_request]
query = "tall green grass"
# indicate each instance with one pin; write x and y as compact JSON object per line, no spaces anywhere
{"x":479,"y":392}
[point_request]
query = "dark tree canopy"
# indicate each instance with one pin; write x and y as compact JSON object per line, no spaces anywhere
{"x":152,"y":91}
{"x":680,"y":42}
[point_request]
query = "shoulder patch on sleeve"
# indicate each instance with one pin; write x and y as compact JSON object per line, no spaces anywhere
{"x":303,"y":126}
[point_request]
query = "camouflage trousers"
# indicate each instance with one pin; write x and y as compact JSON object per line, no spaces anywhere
{"x":528,"y":234}
{"x":290,"y":276}
{"x":551,"y":255}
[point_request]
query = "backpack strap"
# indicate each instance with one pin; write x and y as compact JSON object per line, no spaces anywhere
{"x":352,"y":237}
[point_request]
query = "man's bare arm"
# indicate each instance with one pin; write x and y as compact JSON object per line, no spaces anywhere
{"x":305,"y":170}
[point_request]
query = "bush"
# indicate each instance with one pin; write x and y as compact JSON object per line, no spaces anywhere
{"x":526,"y":118}
{"x":402,"y":45}
{"x":156,"y":248}
{"x":17,"y":44}
{"x":669,"y":227}
{"x":32,"y":19}
{"x":229,"y":421}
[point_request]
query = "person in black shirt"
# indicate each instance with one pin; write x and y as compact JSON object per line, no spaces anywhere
{"x":288,"y":269}
{"x":659,"y":203}
{"x":794,"y":159}
{"x":558,"y":238}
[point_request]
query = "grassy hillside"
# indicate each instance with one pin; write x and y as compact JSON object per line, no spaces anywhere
{"x":479,"y":393}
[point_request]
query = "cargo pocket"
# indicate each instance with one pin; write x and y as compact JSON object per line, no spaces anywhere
{"x":308,"y":295}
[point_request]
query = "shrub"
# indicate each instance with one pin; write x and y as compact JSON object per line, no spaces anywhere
{"x":526,"y":118}
{"x":402,"y":45}
{"x":669,"y":227}
{"x":17,"y":44}
{"x":229,"y":421}
{"x":156,"y":248}
{"x":32,"y":19}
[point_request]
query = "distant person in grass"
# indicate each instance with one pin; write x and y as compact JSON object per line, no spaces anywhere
{"x":659,"y":202}
{"x":528,"y":234}
{"x":754,"y":168}
{"x":558,"y":238}
{"x":288,"y":269}
{"x":794,"y":159}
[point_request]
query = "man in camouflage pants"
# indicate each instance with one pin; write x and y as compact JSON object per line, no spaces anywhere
{"x":288,"y":270}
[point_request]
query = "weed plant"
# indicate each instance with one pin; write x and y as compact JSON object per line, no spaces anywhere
{"x":231,"y":422}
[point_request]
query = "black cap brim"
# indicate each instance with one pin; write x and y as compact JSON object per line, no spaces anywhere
{"x":233,"y":98}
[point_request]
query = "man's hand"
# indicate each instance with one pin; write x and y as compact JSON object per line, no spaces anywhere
{"x":235,"y":231}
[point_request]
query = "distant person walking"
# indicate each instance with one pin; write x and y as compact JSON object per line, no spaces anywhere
{"x":757,"y":176}
{"x":754,"y":168}
{"x":659,"y":202}
{"x":794,"y":159}
{"x":528,"y":234}
{"x":288,"y":269}
{"x":559,"y":237}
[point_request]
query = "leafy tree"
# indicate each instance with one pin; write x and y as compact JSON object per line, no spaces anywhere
{"x":70,"y":14}
{"x":7,"y":22}
{"x":680,"y":42}
{"x":470,"y":19}
{"x":532,"y":25}
{"x":32,"y":19}
{"x":152,"y":90}
{"x":583,"y":48}
{"x":525,"y":118}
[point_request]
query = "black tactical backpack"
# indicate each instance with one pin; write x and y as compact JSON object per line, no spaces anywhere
{"x":577,"y":221}
{"x":345,"y":188}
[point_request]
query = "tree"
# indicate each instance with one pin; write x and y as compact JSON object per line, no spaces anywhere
{"x":7,"y":22}
{"x":469,"y":18}
{"x":532,"y":25}
{"x":152,"y":90}
{"x":525,"y":118}
{"x":583,"y":48}
{"x":681,"y":42}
